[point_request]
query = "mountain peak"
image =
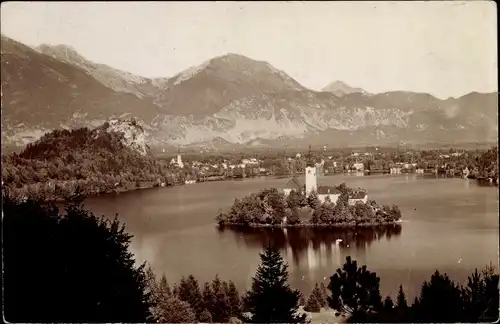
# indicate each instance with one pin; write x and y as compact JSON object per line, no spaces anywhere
{"x":212,"y":85}
{"x":62,"y":52}
{"x":340,"y":88}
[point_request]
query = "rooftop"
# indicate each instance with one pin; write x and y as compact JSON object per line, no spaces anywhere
{"x":294,"y":183}
{"x":328,"y":190}
{"x":357,"y":195}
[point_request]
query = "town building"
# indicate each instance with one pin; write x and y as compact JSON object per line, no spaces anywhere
{"x":330,"y":192}
{"x":177,"y":162}
{"x":359,"y":196}
{"x":395,"y":169}
{"x":358,"y":166}
{"x":465,"y":173}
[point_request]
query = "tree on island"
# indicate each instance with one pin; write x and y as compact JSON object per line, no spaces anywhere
{"x":293,"y":200}
{"x":271,"y":208}
{"x":271,"y":300}
{"x":294,"y":217}
{"x":313,"y":201}
{"x":88,"y":273}
{"x":275,"y":201}
{"x":324,"y":214}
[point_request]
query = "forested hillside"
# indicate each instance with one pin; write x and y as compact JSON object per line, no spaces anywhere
{"x":65,"y":164}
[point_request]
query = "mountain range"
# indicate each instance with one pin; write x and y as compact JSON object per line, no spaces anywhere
{"x":227,"y":102}
{"x":340,"y":89}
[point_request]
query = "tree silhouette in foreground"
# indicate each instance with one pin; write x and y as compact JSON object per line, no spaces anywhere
{"x":316,"y":300}
{"x":440,"y":300}
{"x":234,"y":300}
{"x":356,"y":295}
{"x":221,"y":309}
{"x":166,"y":307}
{"x":189,"y":291}
{"x":72,"y":267}
{"x":355,"y":291}
{"x":271,"y":300}
{"x":481,"y":296}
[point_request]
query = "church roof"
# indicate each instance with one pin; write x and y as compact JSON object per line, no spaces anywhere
{"x":294,"y":183}
{"x":328,"y":190}
{"x":358,"y":195}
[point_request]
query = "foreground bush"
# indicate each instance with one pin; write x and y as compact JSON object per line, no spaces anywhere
{"x":72,"y":267}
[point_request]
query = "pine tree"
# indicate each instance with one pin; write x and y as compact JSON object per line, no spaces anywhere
{"x":314,"y":301}
{"x":205,"y":316}
{"x":302,"y":300}
{"x":189,"y":291}
{"x":208,"y":298}
{"x":324,"y":294}
{"x":388,"y":303}
{"x":174,"y":310}
{"x":440,"y":300}
{"x":88,"y":274}
{"x":221,"y":311}
{"x":175,"y":290}
{"x":151,"y":283}
{"x":401,"y":300}
{"x":355,"y":291}
{"x":402,"y":311}
{"x":163,"y":286}
{"x":152,"y":289}
{"x":234,"y":300}
{"x":271,"y":300}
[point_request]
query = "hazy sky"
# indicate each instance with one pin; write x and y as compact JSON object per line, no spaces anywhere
{"x":445,"y":48}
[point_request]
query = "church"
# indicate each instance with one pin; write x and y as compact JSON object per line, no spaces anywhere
{"x":311,"y":185}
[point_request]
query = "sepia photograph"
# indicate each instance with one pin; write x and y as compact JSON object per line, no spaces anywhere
{"x":250,"y":162}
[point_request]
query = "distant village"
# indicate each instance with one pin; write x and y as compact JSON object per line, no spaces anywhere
{"x":214,"y":168}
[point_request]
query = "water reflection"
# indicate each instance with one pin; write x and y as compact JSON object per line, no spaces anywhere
{"x":314,"y":248}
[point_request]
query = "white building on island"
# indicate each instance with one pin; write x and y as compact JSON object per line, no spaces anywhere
{"x":359,"y":196}
{"x":311,"y":185}
{"x":177,"y":162}
{"x":330,"y":192}
{"x":311,"y":179}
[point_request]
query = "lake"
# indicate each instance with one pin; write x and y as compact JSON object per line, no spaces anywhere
{"x":448,"y":224}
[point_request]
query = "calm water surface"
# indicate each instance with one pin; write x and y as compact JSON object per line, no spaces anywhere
{"x":449,"y":224}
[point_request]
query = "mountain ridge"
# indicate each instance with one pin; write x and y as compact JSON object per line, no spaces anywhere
{"x":112,"y":78}
{"x":340,"y":88}
{"x":227,"y":100}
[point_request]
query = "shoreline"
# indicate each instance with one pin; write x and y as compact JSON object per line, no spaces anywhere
{"x":124,"y":190}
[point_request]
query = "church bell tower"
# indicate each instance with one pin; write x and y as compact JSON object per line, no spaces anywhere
{"x":311,"y":178}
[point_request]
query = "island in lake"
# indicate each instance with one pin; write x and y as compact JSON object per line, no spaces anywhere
{"x":308,"y":205}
